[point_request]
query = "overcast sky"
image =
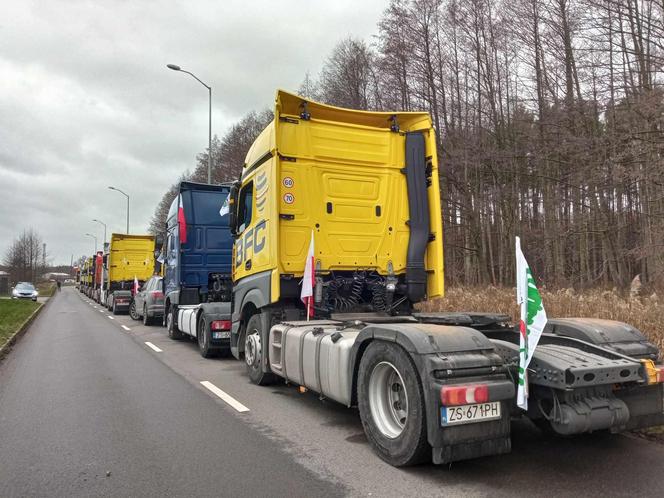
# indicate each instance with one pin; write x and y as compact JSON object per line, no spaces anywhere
{"x":86,"y":100}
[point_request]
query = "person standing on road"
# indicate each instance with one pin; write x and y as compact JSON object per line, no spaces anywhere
{"x":59,"y":285}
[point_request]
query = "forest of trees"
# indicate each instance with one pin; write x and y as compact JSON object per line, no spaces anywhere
{"x":549,"y":118}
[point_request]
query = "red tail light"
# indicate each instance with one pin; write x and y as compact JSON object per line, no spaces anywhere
{"x":464,"y":394}
{"x":221,"y":325}
{"x":157,"y":294}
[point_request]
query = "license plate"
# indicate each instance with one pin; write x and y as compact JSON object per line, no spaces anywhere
{"x":468,"y":414}
{"x":221,"y":335}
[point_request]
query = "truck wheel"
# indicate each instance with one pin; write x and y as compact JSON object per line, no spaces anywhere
{"x":253,"y":352}
{"x":132,"y":311}
{"x":391,"y":403}
{"x":146,"y":319}
{"x":172,"y":329}
{"x":204,"y":339}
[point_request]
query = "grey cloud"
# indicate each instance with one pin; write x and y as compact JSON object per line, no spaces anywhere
{"x":86,"y":100}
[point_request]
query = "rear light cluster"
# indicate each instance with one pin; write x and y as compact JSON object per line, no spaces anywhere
{"x":156,"y":294}
{"x":464,"y":394}
{"x":221,"y":325}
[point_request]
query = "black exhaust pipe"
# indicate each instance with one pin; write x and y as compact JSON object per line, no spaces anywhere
{"x":418,"y":210}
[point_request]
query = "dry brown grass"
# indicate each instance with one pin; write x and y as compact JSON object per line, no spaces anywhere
{"x":644,"y":313}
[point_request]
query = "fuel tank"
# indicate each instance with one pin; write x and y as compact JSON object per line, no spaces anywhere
{"x":314,"y":354}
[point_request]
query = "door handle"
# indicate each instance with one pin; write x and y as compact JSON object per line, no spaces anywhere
{"x":247,"y":265}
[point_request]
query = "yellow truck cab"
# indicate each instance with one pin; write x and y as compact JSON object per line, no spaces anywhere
{"x":129,"y":257}
{"x":357,"y":194}
{"x":341,"y":175}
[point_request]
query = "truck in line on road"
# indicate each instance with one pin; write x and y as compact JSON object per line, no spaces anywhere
{"x":197,"y":268}
{"x":362,"y":189}
{"x":129,"y":258}
{"x":84,"y":277}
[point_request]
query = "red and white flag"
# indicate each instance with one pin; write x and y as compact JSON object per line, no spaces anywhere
{"x":182,"y":223}
{"x":308,"y":280}
{"x":135,"y":285}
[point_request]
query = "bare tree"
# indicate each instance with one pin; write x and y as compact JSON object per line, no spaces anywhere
{"x":25,"y":258}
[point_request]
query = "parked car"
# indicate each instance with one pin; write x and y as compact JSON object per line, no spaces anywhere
{"x":148,"y":303}
{"x":25,"y":290}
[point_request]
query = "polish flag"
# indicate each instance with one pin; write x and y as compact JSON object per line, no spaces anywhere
{"x":308,"y":280}
{"x":135,"y":285}
{"x":181,"y":221}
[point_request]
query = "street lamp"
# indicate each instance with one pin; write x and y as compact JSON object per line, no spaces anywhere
{"x":175,"y":67}
{"x":94,"y":237}
{"x":127,"y":196}
{"x":102,"y":223}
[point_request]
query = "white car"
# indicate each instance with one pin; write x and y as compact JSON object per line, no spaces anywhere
{"x":25,"y":290}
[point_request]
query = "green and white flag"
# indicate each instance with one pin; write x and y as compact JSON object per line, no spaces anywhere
{"x":531,"y":323}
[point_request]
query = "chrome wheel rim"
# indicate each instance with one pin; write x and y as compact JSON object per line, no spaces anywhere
{"x":252,"y":348}
{"x":388,"y":399}
{"x":202,"y":336}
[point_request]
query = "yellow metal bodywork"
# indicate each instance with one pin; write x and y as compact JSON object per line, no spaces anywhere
{"x":86,"y":272}
{"x":130,"y":256}
{"x":346,"y":159}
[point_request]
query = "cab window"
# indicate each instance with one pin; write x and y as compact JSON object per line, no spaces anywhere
{"x":245,"y":206}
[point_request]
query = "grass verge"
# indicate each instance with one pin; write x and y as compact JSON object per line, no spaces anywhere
{"x":643,"y":312}
{"x":46,"y":289}
{"x":13,"y":313}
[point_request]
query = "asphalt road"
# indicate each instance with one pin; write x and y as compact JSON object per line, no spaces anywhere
{"x":80,"y":396}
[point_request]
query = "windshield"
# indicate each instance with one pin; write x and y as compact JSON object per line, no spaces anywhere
{"x":24,"y":286}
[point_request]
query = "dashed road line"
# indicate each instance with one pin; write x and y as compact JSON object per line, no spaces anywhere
{"x":101,"y":311}
{"x":111,"y":317}
{"x":125,"y":327}
{"x":224,"y":396}
{"x":152,"y":346}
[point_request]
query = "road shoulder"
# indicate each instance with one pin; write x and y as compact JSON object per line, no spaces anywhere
{"x":23,"y":329}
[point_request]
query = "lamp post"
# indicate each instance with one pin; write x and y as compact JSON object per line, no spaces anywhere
{"x":103,"y":247}
{"x":94,"y":237}
{"x":127,"y":196}
{"x":175,"y":67}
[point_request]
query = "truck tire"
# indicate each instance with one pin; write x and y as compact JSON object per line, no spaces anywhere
{"x":171,"y":328}
{"x":204,"y":339}
{"x":147,"y":321}
{"x":253,"y":352}
{"x":132,"y":311}
{"x":391,"y":403}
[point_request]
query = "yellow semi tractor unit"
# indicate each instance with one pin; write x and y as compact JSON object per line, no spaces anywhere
{"x":357,"y":193}
{"x":129,"y":257}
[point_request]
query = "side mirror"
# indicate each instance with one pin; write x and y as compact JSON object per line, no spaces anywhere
{"x":232,"y":208}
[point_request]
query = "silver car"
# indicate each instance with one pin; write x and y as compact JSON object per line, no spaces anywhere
{"x":148,"y":303}
{"x":25,"y":290}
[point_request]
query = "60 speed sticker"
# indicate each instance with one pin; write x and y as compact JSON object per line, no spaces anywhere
{"x":289,"y":198}
{"x":288,"y":182}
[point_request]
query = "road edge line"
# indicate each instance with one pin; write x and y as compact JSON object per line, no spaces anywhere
{"x":153,"y":347}
{"x":227,"y":398}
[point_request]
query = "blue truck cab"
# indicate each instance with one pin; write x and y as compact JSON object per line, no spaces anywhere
{"x":197,"y":263}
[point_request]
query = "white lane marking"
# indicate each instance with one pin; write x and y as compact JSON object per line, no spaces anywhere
{"x":125,"y":327}
{"x":101,"y":311}
{"x":152,"y":346}
{"x":111,"y":317}
{"x":224,"y":396}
